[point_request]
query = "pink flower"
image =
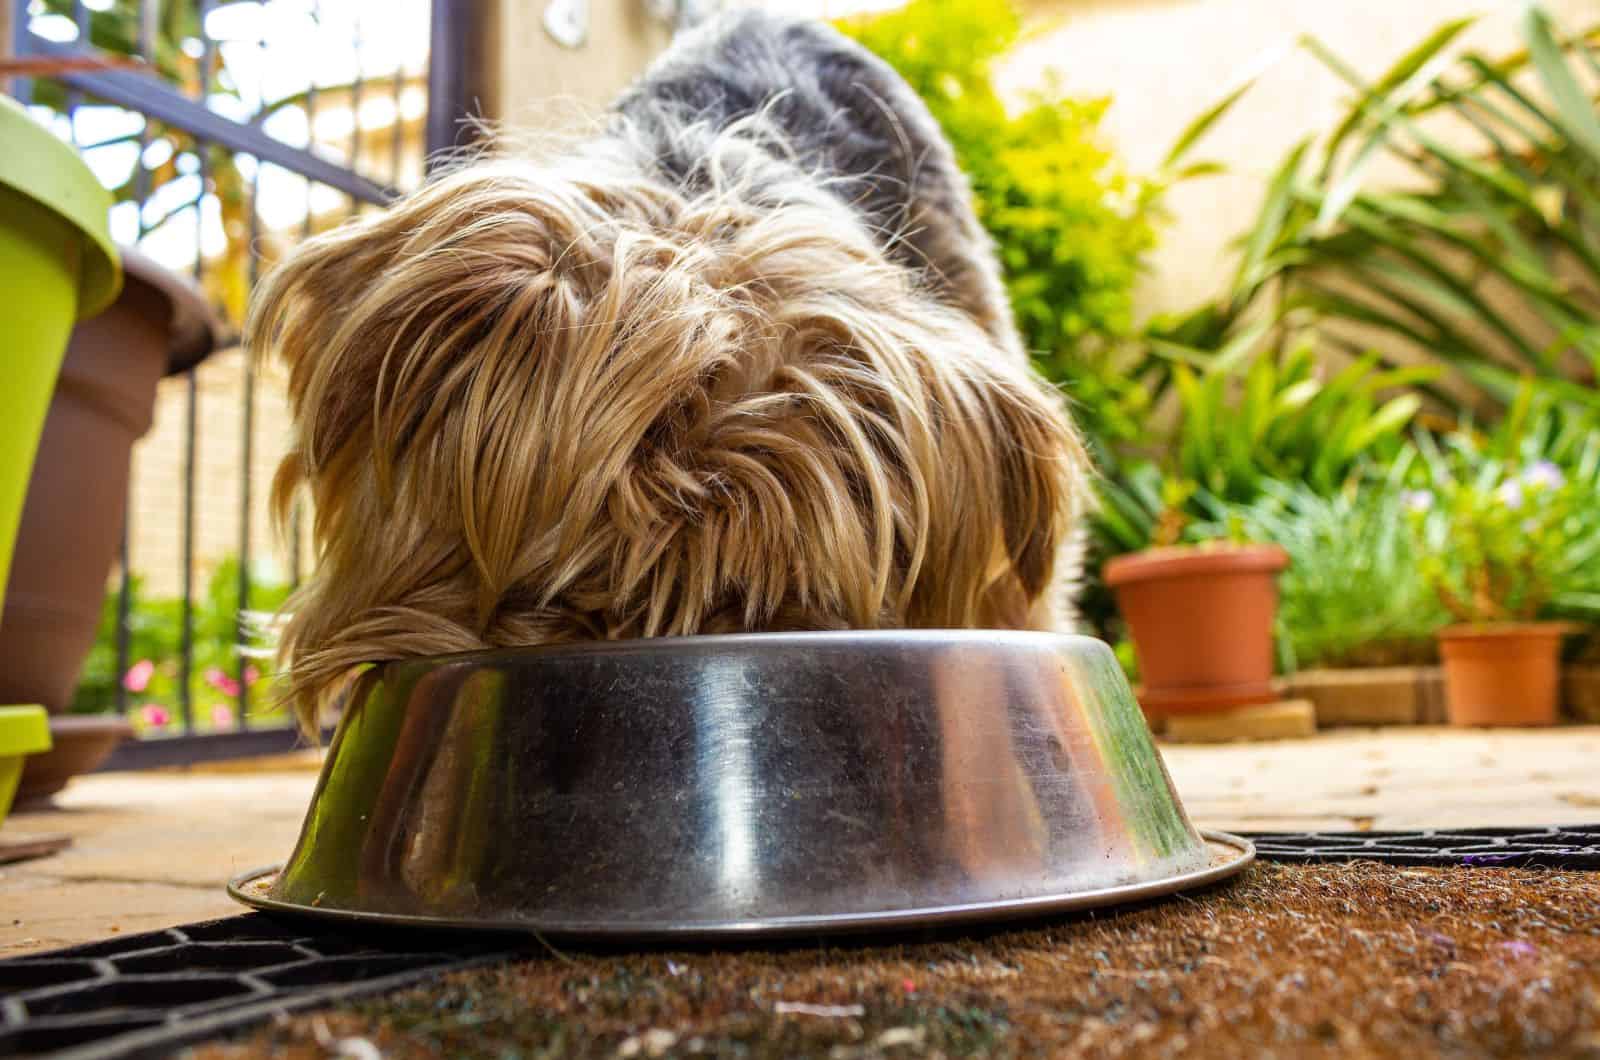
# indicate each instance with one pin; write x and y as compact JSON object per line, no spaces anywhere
{"x":137,"y":679}
{"x":155,"y":716}
{"x":218,"y":678}
{"x":251,"y":675}
{"x":222,"y":716}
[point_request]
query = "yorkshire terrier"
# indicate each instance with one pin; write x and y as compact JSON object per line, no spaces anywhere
{"x":742,"y":361}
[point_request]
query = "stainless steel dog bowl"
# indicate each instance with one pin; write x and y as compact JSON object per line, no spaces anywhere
{"x":766,"y":783}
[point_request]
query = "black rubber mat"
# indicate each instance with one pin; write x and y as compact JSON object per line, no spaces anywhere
{"x":1569,"y":847}
{"x":145,"y":995}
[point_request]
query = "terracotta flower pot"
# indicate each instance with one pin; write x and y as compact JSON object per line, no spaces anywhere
{"x":72,"y":519}
{"x":104,"y":401}
{"x":1503,"y":674}
{"x":57,"y":265}
{"x":1202,"y":622}
{"x":80,"y":743}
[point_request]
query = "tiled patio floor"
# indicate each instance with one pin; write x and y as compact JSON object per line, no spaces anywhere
{"x":153,"y":849}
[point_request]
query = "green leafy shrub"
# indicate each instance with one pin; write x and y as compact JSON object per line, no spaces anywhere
{"x":1505,"y":520}
{"x":1502,"y":544}
{"x":155,"y":631}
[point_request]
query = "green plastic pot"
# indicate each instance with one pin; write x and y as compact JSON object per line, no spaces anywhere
{"x":57,"y":265}
{"x":23,"y":731}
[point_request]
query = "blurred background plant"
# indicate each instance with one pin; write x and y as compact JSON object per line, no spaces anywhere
{"x":1484,"y":260}
{"x":1429,"y":308}
{"x":155,"y":652}
{"x":1251,"y":426}
{"x":1501,"y":543}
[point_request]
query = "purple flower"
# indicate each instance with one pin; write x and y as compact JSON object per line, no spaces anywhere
{"x":1518,"y":949}
{"x":1509,"y":493}
{"x":137,"y":679}
{"x":1417,"y":500}
{"x":155,"y":716}
{"x":1488,"y":859}
{"x":1544,"y":475}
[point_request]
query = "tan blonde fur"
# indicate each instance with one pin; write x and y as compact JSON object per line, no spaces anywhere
{"x":544,"y":402}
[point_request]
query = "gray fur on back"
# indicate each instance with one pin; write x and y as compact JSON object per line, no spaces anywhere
{"x":850,"y":119}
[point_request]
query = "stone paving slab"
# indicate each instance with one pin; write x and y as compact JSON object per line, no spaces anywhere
{"x":154,"y":849}
{"x":1394,"y":778}
{"x":149,"y":850}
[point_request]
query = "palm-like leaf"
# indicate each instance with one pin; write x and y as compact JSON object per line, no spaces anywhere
{"x":1491,"y":266}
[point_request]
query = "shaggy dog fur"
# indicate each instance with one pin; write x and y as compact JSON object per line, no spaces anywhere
{"x":742,"y":362}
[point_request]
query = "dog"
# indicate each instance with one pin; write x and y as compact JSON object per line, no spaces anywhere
{"x":740,"y":361}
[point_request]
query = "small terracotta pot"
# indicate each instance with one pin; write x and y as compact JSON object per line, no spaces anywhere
{"x":1201,"y":620}
{"x":1503,"y":674}
{"x":80,"y":744}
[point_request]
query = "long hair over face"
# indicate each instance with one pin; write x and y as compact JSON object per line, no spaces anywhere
{"x":537,"y":403}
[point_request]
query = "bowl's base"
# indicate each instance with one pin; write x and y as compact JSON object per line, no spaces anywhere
{"x":1229,"y":855}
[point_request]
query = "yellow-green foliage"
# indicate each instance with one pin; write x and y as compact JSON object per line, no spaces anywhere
{"x":1071,"y":225}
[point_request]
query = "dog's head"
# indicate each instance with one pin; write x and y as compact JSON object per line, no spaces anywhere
{"x":540,"y":403}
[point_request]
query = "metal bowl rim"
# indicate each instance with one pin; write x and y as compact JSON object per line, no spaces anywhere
{"x":1240,"y":852}
{"x":998,"y":638}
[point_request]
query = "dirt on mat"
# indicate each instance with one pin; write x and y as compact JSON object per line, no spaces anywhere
{"x":1362,"y":959}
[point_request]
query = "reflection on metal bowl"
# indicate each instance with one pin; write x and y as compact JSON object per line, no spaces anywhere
{"x":734,"y":784}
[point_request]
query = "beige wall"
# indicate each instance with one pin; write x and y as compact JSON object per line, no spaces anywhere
{"x":532,"y":82}
{"x":1164,"y":61}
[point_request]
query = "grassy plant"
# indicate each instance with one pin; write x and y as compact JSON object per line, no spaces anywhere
{"x":1282,"y":420}
{"x":1354,"y":593}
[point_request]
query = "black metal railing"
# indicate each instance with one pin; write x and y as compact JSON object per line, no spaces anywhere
{"x":159,"y":60}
